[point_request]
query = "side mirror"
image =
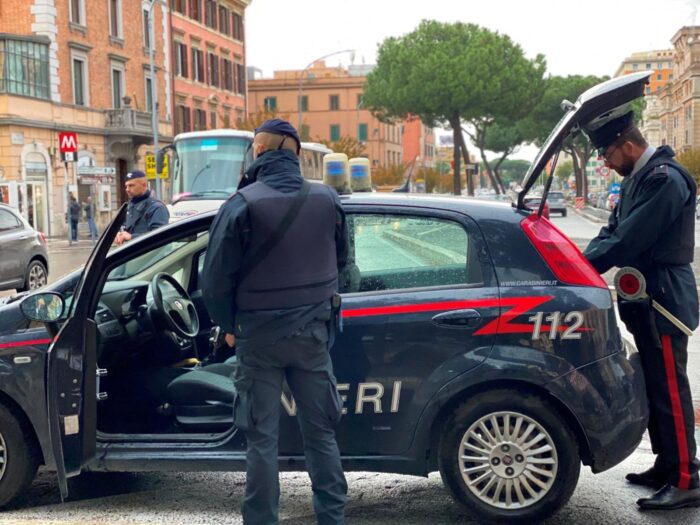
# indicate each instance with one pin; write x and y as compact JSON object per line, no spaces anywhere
{"x":159,"y":159}
{"x":44,"y":307}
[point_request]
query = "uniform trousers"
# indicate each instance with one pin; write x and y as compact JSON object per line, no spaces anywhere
{"x":304,"y":360}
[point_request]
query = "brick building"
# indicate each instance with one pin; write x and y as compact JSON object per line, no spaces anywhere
{"x":64,"y":67}
{"x":208,"y":63}
{"x":418,"y":141}
{"x":331,"y":108}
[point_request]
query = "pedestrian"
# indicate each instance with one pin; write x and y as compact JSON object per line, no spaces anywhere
{"x":145,"y":213}
{"x":270,"y":281}
{"x":74,"y":217}
{"x":90,"y":210}
{"x":653,"y":230}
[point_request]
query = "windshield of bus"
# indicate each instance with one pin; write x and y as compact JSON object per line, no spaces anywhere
{"x":209,"y":167}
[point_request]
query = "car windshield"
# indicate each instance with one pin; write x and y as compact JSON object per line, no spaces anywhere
{"x":138,"y":264}
{"x":209,"y":167}
{"x":555,"y":195}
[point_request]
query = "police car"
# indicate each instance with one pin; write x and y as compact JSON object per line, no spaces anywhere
{"x":476,"y":341}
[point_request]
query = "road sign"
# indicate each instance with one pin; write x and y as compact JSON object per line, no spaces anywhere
{"x":604,"y":171}
{"x":67,"y":142}
{"x":615,"y":188}
{"x":151,"y":167}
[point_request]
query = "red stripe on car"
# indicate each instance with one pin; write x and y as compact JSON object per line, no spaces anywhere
{"x":31,"y":342}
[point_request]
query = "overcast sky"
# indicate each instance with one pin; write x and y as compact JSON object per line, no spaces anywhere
{"x":581,"y":37}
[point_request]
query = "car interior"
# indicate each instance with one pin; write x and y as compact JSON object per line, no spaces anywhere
{"x":168,"y":368}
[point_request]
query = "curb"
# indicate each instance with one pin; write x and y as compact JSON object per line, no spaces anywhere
{"x":592,"y":218}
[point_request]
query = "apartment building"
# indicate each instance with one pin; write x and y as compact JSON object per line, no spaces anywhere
{"x":209,"y":70}
{"x":327,"y":102}
{"x":64,"y":67}
{"x":418,"y":142}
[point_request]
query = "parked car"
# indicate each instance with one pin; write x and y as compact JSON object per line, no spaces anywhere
{"x":533,"y":203}
{"x":476,"y":341}
{"x":556,"y":202}
{"x":24,"y":260}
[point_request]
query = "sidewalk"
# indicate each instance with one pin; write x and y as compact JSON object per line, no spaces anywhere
{"x":60,"y":244}
{"x":594,"y":214}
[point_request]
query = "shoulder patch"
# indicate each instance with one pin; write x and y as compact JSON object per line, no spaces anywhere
{"x":661,"y":170}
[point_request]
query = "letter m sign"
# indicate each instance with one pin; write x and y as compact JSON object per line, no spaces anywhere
{"x":68,"y":145}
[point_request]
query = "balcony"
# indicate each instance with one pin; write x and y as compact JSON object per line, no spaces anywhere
{"x":128,"y":121}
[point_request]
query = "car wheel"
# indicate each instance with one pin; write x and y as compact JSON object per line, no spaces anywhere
{"x":508,"y":457}
{"x":36,"y":276}
{"x":563,"y":213}
{"x":18,"y":459}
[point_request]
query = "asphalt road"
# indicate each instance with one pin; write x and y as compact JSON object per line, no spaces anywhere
{"x":215,"y":498}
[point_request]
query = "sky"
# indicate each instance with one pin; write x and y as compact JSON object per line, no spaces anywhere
{"x":589,"y":37}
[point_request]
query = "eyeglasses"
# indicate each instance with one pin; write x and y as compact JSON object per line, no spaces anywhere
{"x":607,"y":152}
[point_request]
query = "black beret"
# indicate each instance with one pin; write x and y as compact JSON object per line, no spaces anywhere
{"x":136,"y":174}
{"x":280,"y":127}
{"x":607,"y":128}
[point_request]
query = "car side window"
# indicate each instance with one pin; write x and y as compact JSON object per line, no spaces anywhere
{"x":8,"y":221}
{"x":407,"y":251}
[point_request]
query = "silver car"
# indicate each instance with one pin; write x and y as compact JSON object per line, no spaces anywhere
{"x":556,"y":202}
{"x":24,"y":260}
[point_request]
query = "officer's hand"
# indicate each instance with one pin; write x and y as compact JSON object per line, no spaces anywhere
{"x":122,"y":237}
{"x":230,"y":340}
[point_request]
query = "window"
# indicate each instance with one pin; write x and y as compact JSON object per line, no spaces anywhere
{"x":80,"y":84}
{"x":304,"y":103}
{"x":402,"y":251}
{"x":334,"y":102}
{"x":146,"y":30}
{"x":670,"y":76}
{"x":24,"y":68}
{"x":8,"y":221}
{"x":213,"y":69}
{"x":648,"y":66}
{"x":227,"y":74}
{"x":362,"y":132}
{"x":196,"y":10}
{"x":149,"y":93}
{"x":179,"y":6}
{"x":305,"y":132}
{"x":270,"y":103}
{"x":635,"y":67}
{"x":240,"y":78}
{"x":359,"y":100}
{"x":686,"y":137}
{"x":117,"y":86}
{"x":115,"y":18}
{"x":197,"y":65}
{"x":77,"y":12}
{"x":200,"y":120}
{"x":237,"y":26}
{"x":212,"y":119}
{"x":182,"y":119}
{"x":210,"y":13}
{"x":180,"y":59}
{"x":224,"y":20}
{"x":658,"y":77}
{"x":335,"y":132}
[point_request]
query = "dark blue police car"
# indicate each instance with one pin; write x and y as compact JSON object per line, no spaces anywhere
{"x":476,"y":341}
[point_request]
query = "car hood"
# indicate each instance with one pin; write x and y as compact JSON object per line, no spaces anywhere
{"x":592,"y":103}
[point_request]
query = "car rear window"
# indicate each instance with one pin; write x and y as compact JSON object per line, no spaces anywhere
{"x":555,"y":195}
{"x":402,"y":251}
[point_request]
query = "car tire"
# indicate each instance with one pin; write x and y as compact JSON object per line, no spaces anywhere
{"x":20,"y":458}
{"x":563,"y":213}
{"x":505,"y":461}
{"x":35,"y":277}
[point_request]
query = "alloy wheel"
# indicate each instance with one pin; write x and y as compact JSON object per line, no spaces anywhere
{"x":37,"y":276}
{"x":508,"y":460}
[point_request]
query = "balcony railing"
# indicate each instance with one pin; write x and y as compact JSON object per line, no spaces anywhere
{"x":128,"y":121}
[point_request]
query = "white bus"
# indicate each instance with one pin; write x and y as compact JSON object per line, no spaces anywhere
{"x":207,"y":165}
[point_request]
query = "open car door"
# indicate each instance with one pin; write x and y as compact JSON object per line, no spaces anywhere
{"x":71,"y":370}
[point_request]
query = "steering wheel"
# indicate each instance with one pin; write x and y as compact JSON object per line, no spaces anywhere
{"x":174,"y":306}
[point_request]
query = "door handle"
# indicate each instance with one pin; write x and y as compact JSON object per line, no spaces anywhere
{"x":458,"y":318}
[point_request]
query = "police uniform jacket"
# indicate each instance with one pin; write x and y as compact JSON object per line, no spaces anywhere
{"x":239,"y":227}
{"x":652,"y":229}
{"x":145,"y":214}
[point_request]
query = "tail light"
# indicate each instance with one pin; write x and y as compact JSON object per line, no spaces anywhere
{"x":43,"y":237}
{"x":561,"y":255}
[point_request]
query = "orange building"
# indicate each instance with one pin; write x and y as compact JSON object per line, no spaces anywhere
{"x":331,"y":108}
{"x":64,"y":67}
{"x":418,"y":141}
{"x":208,"y":63}
{"x":659,"y":61}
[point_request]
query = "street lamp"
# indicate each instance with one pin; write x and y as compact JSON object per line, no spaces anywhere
{"x":301,"y":77}
{"x":154,"y":90}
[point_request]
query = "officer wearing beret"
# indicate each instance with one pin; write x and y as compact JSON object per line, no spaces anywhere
{"x":270,"y":276}
{"x":144,"y":213}
{"x":653,"y":230}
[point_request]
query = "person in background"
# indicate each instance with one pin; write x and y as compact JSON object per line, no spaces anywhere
{"x":145,"y":213}
{"x":90,"y":210}
{"x":73,"y":217}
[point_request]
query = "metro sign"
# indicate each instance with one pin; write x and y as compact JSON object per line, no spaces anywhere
{"x":68,"y":145}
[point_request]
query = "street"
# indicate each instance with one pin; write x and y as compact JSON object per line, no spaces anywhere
{"x":215,"y":498}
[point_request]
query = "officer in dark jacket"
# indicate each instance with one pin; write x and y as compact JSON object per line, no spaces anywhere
{"x":145,"y":213}
{"x":653,"y":230}
{"x":270,"y":276}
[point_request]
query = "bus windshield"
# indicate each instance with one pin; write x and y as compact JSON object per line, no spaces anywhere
{"x":209,"y":167}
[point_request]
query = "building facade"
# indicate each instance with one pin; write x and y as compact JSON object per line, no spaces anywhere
{"x":67,"y":68}
{"x":679,"y":101}
{"x":418,"y":142}
{"x":209,"y":71}
{"x":330,"y":107}
{"x":658,"y":61}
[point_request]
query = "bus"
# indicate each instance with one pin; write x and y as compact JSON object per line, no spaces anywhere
{"x":207,"y":165}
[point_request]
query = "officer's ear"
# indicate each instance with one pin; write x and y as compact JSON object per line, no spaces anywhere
{"x":258,"y":149}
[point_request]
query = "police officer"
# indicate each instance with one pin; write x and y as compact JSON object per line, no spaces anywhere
{"x":653,"y":230}
{"x":270,"y":276}
{"x":145,"y":213}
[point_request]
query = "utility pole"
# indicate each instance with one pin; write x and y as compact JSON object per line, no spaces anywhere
{"x":154,"y":89}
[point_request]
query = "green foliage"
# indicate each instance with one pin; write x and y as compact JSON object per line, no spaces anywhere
{"x":564,"y":170}
{"x":346,"y":144}
{"x":690,"y":159}
{"x":513,"y":170}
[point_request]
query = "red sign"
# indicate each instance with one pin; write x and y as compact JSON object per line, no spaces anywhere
{"x":605,"y":171}
{"x":67,"y":142}
{"x":579,"y":203}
